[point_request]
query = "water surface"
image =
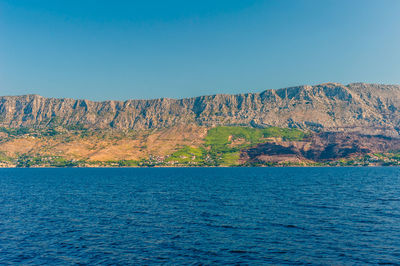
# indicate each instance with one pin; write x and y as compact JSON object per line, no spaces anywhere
{"x":200,"y":215}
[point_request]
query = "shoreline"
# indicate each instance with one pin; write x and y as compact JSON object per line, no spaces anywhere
{"x":187,"y":167}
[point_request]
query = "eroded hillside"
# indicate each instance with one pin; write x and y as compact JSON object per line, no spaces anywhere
{"x":192,"y":145}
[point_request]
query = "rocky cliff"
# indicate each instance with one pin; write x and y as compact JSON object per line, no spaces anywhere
{"x":358,"y":107}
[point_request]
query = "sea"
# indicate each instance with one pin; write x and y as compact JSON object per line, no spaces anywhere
{"x":200,"y":216}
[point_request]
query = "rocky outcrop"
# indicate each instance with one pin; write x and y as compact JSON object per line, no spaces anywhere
{"x":364,"y":108}
{"x":320,"y":147}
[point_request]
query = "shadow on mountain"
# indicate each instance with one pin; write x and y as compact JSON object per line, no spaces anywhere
{"x":321,"y":147}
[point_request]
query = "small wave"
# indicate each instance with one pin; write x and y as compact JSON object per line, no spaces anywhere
{"x":238,"y":251}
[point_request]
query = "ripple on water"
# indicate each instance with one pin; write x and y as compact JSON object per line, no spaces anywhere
{"x":200,"y":216}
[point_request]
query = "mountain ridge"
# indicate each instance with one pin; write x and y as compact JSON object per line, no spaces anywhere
{"x":356,"y":107}
{"x":206,"y":95}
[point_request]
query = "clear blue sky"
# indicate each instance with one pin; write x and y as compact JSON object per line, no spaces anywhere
{"x":113,"y":49}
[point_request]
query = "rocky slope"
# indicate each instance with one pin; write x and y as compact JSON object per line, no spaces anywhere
{"x":321,"y":147}
{"x":191,"y":145}
{"x":364,"y":108}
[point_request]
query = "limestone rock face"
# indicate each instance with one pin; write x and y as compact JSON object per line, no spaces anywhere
{"x":364,"y":108}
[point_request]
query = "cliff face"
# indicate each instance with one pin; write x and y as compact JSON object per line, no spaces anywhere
{"x":358,"y":107}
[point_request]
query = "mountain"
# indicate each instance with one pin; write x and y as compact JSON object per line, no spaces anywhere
{"x":327,"y":124}
{"x":331,"y":107}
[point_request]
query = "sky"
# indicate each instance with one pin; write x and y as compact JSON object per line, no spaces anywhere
{"x":103,"y":50}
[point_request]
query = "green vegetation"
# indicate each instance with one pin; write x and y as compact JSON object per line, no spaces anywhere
{"x":127,"y":163}
{"x":224,"y":143}
{"x":26,"y":160}
{"x":61,"y":162}
{"x":50,"y":132}
{"x":76,"y":127}
{"x":15,"y":131}
{"x":4,"y":157}
{"x":287,"y":134}
{"x":223,"y":146}
{"x":187,"y":155}
{"x":219,"y":136}
{"x":230,"y":158}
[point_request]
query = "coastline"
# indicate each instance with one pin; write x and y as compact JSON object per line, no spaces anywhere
{"x":196,"y":167}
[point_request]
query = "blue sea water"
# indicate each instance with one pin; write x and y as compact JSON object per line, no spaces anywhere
{"x":200,"y":216}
